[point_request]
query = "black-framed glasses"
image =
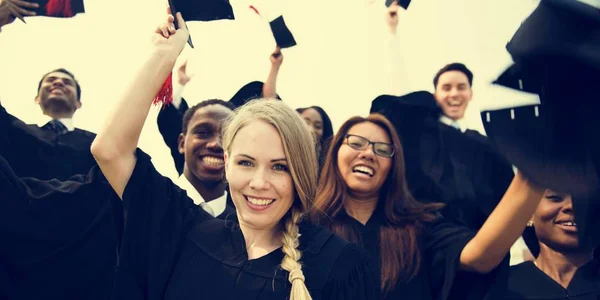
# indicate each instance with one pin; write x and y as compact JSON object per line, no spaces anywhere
{"x":358,"y":142}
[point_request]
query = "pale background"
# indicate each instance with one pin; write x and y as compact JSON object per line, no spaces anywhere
{"x":339,"y":62}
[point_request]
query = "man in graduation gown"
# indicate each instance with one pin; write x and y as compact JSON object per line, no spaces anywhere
{"x":53,"y":148}
{"x":55,"y":245}
{"x":445,"y":161}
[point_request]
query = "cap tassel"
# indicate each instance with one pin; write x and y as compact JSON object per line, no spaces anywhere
{"x":165,"y":94}
{"x":59,"y":8}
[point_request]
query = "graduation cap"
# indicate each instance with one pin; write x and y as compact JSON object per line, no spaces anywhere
{"x":557,"y":56}
{"x":403,"y":3}
{"x":193,"y":10}
{"x":58,"y":8}
{"x":202,"y":10}
{"x":247,"y":93}
{"x":282,"y":34}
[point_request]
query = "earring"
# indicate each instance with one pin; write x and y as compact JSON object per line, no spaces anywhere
{"x":530,"y":224}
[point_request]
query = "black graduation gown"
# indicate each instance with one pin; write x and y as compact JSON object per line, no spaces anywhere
{"x":35,"y":152}
{"x":59,"y":239}
{"x":172,"y":249}
{"x":527,"y":282}
{"x":439,"y":276}
{"x":443,"y":164}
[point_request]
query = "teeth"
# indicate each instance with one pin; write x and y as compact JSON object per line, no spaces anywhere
{"x":214,"y":161}
{"x":568,"y":223}
{"x":364,"y":169}
{"x":261,"y":202}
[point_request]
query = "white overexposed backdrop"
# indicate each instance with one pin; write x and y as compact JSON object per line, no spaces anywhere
{"x":339,"y":62}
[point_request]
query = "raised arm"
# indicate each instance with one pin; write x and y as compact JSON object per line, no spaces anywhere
{"x":398,"y":79}
{"x":115,"y":145}
{"x":504,"y":226}
{"x":270,"y":86}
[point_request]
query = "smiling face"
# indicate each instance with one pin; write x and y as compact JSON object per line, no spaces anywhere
{"x":554,"y":222}
{"x":257,"y":170}
{"x":363,"y":171}
{"x":58,"y":93}
{"x":201,"y":144}
{"x":453,"y":94}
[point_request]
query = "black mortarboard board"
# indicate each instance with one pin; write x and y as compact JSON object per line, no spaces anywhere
{"x":247,"y":93}
{"x":58,"y":8}
{"x":202,"y":10}
{"x":557,"y":55}
{"x":557,"y":29}
{"x":282,"y":34}
{"x":403,"y":3}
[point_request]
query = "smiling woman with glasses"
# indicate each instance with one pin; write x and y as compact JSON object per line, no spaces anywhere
{"x":363,"y":197}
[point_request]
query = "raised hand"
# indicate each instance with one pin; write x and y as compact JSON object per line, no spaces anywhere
{"x":276,"y":57}
{"x":15,"y":9}
{"x":184,"y":78}
{"x":391,"y":16}
{"x":168,"y":40}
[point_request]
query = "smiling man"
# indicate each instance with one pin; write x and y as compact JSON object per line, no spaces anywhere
{"x":52,"y":148}
{"x":200,"y":144}
{"x":453,"y":93}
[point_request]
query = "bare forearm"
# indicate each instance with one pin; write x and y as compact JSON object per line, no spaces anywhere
{"x":503,"y":227}
{"x":270,"y":86}
{"x":121,"y":132}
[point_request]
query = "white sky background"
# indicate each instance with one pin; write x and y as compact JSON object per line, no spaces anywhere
{"x":339,"y":62}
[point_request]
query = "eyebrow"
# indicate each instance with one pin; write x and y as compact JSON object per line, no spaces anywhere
{"x":272,"y":160}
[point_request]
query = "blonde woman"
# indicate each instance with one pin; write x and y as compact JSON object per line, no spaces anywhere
{"x":172,"y":249}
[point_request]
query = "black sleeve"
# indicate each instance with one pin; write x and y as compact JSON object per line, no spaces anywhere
{"x":158,"y":215}
{"x":169,"y":121}
{"x":30,"y":154}
{"x":444,"y":242}
{"x":352,"y":276}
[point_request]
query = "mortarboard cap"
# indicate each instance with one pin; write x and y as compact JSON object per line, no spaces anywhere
{"x":557,"y":31}
{"x":557,"y":56}
{"x":282,"y":34}
{"x":403,"y":3}
{"x":247,"y":93}
{"x":202,"y":10}
{"x":58,"y":8}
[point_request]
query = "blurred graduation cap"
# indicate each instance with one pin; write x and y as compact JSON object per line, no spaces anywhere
{"x":403,"y":3}
{"x":557,"y":56}
{"x":57,"y":8}
{"x":193,"y":10}
{"x":202,"y":10}
{"x":282,"y":34}
{"x":247,"y":93}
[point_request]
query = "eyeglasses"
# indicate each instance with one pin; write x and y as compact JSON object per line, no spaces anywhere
{"x":357,"y":142}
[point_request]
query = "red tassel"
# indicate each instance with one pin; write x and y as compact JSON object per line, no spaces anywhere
{"x":165,"y":94}
{"x":59,"y":8}
{"x":254,"y":9}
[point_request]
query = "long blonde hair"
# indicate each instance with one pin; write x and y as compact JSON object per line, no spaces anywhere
{"x":299,"y":149}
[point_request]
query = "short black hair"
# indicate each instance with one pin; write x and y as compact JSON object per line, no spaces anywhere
{"x":192,"y":110}
{"x":64,"y":71}
{"x":453,"y":67}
